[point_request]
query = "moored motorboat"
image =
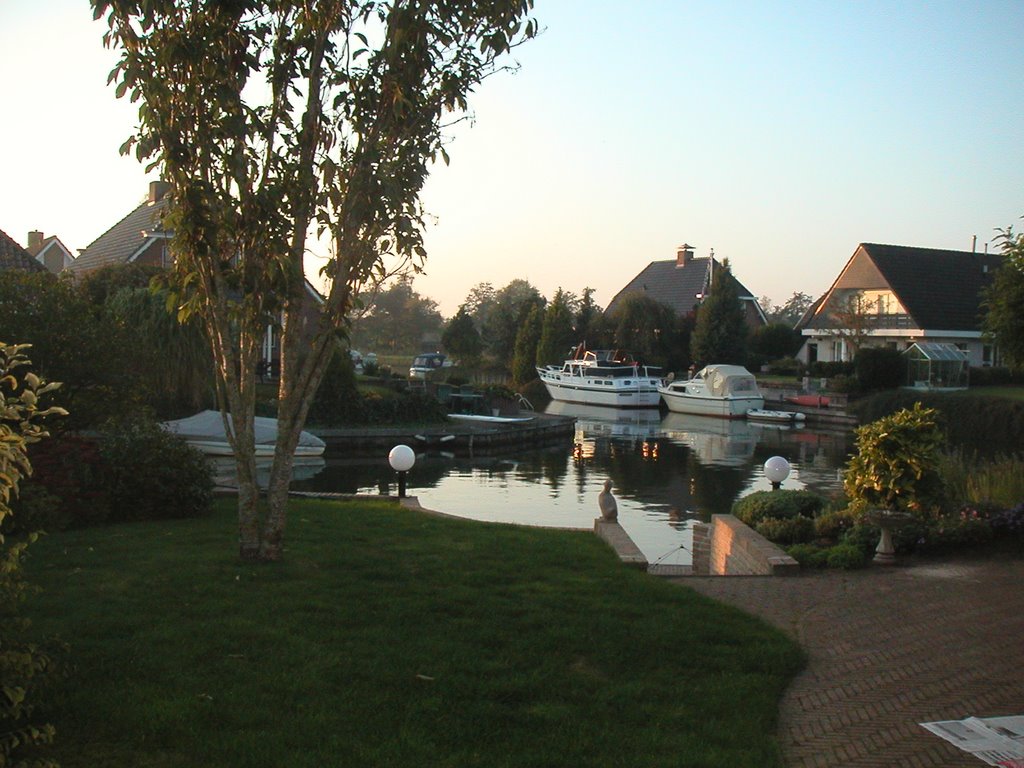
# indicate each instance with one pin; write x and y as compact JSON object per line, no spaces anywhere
{"x":727,"y":391}
{"x":607,"y":377}
{"x":205,"y":432}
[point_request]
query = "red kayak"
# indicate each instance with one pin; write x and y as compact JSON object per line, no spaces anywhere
{"x":809,"y":401}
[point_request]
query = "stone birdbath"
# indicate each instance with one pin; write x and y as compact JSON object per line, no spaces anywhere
{"x":888,"y":520}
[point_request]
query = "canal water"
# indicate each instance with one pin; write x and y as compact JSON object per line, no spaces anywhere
{"x":667,"y":471}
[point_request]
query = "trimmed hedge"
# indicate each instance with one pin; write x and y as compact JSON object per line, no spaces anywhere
{"x":777,"y":505}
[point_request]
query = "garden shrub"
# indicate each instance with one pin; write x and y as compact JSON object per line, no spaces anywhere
{"x":833,"y":525}
{"x":27,"y":670}
{"x":880,"y":368}
{"x":844,"y":384}
{"x":827,"y":370}
{"x":809,"y":555}
{"x":779,"y":505}
{"x":151,"y":474}
{"x":69,"y":469}
{"x":792,"y":530}
{"x":846,"y":556}
{"x":896,"y":463}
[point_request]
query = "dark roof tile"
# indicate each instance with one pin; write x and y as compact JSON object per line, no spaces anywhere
{"x":13,"y":256}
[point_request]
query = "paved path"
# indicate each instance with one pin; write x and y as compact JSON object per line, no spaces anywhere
{"x":890,"y":648}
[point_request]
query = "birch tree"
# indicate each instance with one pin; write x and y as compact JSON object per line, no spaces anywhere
{"x":275,"y":121}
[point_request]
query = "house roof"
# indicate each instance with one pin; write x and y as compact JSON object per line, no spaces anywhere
{"x":940,"y":289}
{"x":674,"y":284}
{"x":13,"y":256}
{"x":123,"y":240}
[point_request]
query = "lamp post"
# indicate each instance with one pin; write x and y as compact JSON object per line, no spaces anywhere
{"x":401,"y":459}
{"x":776,"y":469}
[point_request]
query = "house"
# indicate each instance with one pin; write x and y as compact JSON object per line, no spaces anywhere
{"x":141,"y":238}
{"x":13,"y":256}
{"x":49,"y":251}
{"x":683,"y":283}
{"x":137,"y":238}
{"x":894,"y":295}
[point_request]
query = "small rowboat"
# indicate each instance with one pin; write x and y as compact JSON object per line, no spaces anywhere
{"x":775,"y":417}
{"x":809,"y":401}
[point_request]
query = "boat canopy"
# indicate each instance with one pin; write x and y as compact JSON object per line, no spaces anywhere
{"x":209,"y":426}
{"x":725,"y":380}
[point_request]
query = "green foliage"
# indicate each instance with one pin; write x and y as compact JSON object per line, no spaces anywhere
{"x":787,"y":314}
{"x":26,"y":669}
{"x":172,"y":358}
{"x":396,"y":320}
{"x":508,"y":311}
{"x":826,"y":370}
{"x":721,"y":332}
{"x":524,"y":358}
{"x":791,"y":530}
{"x":66,"y":487}
{"x":896,"y":464}
{"x":775,"y":341}
{"x":972,"y":419}
{"x":972,"y":480}
{"x":151,"y":474}
{"x":846,"y":557}
{"x":72,"y":341}
{"x":99,"y":285}
{"x":461,"y":338}
{"x":834,"y":524}
{"x":557,"y":333}
{"x":783,"y":504}
{"x":649,"y":330}
{"x":809,"y":555}
{"x":341,"y":403}
{"x":994,"y":376}
{"x":1004,"y":300}
{"x":880,"y":368}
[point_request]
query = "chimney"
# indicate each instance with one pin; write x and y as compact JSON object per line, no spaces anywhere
{"x":157,"y":190}
{"x":35,"y":240}
{"x":684,"y":255}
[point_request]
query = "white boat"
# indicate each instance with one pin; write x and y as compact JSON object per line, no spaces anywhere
{"x":727,"y":391}
{"x":775,"y":417}
{"x":205,"y":432}
{"x":602,"y":377}
{"x":489,"y":419}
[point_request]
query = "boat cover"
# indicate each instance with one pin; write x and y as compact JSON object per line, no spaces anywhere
{"x":209,"y":426}
{"x":725,"y":380}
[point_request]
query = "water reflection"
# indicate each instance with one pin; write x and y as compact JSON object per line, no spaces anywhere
{"x":666,"y":472}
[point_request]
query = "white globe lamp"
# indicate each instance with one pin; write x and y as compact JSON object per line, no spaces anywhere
{"x":776,"y":469}
{"x":401,"y":459}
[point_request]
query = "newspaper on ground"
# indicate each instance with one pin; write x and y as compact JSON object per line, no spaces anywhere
{"x":997,"y":741}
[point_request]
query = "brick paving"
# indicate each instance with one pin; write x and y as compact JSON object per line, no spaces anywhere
{"x":890,"y":648}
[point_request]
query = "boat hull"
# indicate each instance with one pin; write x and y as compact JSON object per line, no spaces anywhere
{"x":735,"y":407}
{"x":590,"y":391}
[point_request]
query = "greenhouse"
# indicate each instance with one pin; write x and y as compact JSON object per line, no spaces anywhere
{"x":931,"y":365}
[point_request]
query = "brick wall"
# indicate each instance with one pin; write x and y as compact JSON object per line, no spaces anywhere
{"x":734,"y":549}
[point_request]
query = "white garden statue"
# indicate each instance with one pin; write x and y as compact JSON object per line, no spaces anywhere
{"x":606,"y":502}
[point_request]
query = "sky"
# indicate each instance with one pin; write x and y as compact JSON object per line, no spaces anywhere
{"x":779,"y":134}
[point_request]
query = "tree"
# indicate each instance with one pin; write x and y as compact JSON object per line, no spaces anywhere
{"x":557,"y":333}
{"x":512,"y":305}
{"x":1004,"y":301}
{"x":461,"y":339}
{"x":721,"y":332}
{"x":644,"y":327}
{"x":397,"y":319}
{"x":275,"y":120}
{"x":524,"y":358}
{"x":788,"y":313}
{"x":774,"y":341}
{"x":853,"y":317}
{"x":588,"y":317}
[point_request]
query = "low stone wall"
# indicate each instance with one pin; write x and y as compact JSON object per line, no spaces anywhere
{"x":728,"y":547}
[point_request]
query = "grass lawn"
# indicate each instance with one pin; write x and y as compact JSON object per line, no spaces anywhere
{"x":393,"y":638}
{"x":1012,"y":393}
